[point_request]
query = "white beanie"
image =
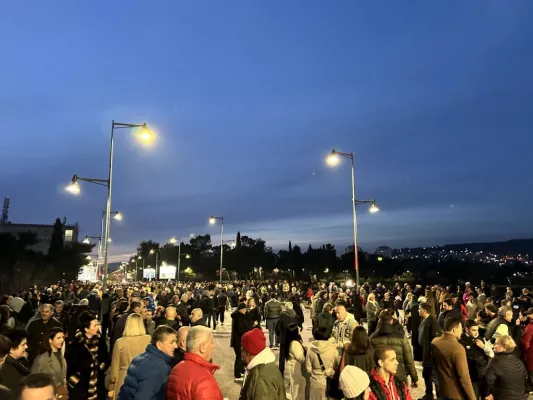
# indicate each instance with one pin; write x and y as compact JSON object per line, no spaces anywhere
{"x":353,"y":381}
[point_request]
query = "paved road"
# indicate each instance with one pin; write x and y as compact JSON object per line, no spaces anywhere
{"x":224,"y":357}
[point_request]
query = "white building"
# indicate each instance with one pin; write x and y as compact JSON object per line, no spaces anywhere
{"x":384,"y":251}
{"x":43,"y":233}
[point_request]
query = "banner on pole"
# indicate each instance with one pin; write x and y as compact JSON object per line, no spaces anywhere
{"x":167,"y":272}
{"x":149,"y":273}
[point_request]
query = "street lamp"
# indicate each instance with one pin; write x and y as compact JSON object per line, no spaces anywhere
{"x":333,"y":160}
{"x":146,"y":137}
{"x":213,"y":220}
{"x":173,"y":240}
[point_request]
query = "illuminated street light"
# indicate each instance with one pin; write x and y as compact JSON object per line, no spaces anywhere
{"x":212,"y":220}
{"x":118,"y":216}
{"x":333,"y":160}
{"x":145,"y":136}
{"x":152,"y":251}
{"x":172,"y":240}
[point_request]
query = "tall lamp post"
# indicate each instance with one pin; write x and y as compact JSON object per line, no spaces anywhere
{"x":212,"y":221}
{"x":117,"y":216}
{"x":145,"y":136}
{"x":333,"y":160}
{"x":173,"y":241}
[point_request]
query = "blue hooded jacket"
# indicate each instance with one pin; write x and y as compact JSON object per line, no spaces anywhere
{"x":147,"y":376}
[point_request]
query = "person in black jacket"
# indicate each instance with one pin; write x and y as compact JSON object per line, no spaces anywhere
{"x":478,"y":353}
{"x":449,"y":311}
{"x":222,"y":302}
{"x":286,"y":319}
{"x":15,"y":366}
{"x":505,"y":376}
{"x":357,"y":306}
{"x":428,"y":330}
{"x":240,"y":324}
{"x":297,"y":309}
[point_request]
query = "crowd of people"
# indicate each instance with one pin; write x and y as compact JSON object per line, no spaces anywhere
{"x":155,"y":340}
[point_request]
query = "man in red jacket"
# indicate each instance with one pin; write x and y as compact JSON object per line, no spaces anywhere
{"x":383,"y":383}
{"x":192,"y":379}
{"x":527,"y":343}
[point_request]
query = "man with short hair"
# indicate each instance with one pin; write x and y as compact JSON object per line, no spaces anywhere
{"x":170,"y":318}
{"x":384,"y":384}
{"x":343,"y":326}
{"x":428,"y":330}
{"x":5,"y":347}
{"x":179,"y":353}
{"x":262,"y":378}
{"x":288,"y":320}
{"x":239,"y":326}
{"x":192,"y":379}
{"x":197,"y":317}
{"x":38,"y":331}
{"x":449,"y":310}
{"x":272,"y":312}
{"x":478,"y":353}
{"x":38,"y":386}
{"x":147,"y":374}
{"x":15,"y":366}
{"x":451,"y":363}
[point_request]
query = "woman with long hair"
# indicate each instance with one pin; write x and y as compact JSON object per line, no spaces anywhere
{"x":359,"y":351}
{"x":295,"y":353}
{"x":253,"y":312}
{"x":52,"y":361}
{"x":133,"y":342}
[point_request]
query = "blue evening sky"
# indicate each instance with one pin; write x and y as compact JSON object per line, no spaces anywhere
{"x":247,"y":97}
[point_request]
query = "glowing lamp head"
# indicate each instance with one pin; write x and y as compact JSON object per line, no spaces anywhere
{"x":373,"y":208}
{"x":212,"y":220}
{"x":74,"y":186}
{"x":333,"y":159}
{"x":139,"y":258}
{"x":108,"y":240}
{"x":187,"y":256}
{"x":173,"y":240}
{"x":152,"y":251}
{"x":118,"y":216}
{"x":145,"y":135}
{"x":86,"y":240}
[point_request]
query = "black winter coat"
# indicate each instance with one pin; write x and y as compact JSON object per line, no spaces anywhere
{"x":415,"y":321}
{"x":431,"y":331}
{"x":476,"y":358}
{"x":287,"y":317}
{"x":240,"y":324}
{"x":12,"y":372}
{"x":505,"y":378}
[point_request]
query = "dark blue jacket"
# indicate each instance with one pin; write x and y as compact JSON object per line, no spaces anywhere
{"x":147,"y":376}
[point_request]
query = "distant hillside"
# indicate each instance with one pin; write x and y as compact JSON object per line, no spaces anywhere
{"x":514,"y":246}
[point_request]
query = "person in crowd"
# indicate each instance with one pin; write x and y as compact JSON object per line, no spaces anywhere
{"x":53,"y":362}
{"x":38,"y":330}
{"x":359,"y":352}
{"x":387,"y":303}
{"x":252,"y":312}
{"x":321,"y":361}
{"x":294,"y":299}
{"x":149,"y":323}
{"x":391,"y":334}
{"x":132,"y":343}
{"x":354,"y":383}
{"x":15,"y":366}
{"x":384,"y":384}
{"x":451,"y":362}
{"x":87,"y":360}
{"x":207,"y":305}
{"x":94,"y":301}
{"x":343,"y":327}
{"x":298,"y":375}
{"x":372,"y":313}
{"x":501,"y":325}
{"x":170,"y":319}
{"x":39,"y":386}
{"x":449,"y":310}
{"x":192,"y":379}
{"x":478,"y":353}
{"x":287,"y":320}
{"x":147,"y":374}
{"x":357,"y":303}
{"x":527,"y":344}
{"x":136,"y":307}
{"x":505,"y":377}
{"x":60,"y":313}
{"x":222,"y":303}
{"x":5,"y":348}
{"x":428,"y":330}
{"x":272,"y":313}
{"x":197,"y":317}
{"x":262,"y":378}
{"x":179,"y":353}
{"x":105,"y":312}
{"x":326,"y":318}
{"x":240,"y":324}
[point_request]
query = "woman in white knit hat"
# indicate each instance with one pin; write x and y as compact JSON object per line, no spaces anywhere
{"x":354,"y":383}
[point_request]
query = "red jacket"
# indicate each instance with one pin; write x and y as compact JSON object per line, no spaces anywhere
{"x":527,"y":346}
{"x":192,"y":379}
{"x":375,"y":379}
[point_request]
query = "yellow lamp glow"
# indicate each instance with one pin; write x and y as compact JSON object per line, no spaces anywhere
{"x":333,"y":159}
{"x":118,"y":216}
{"x":172,"y":240}
{"x":212,"y":220}
{"x":86,"y":240}
{"x":146,"y":136}
{"x":73,"y":188}
{"x":373,"y":208}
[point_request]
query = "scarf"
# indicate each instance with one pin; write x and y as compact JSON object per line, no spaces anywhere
{"x":90,"y":344}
